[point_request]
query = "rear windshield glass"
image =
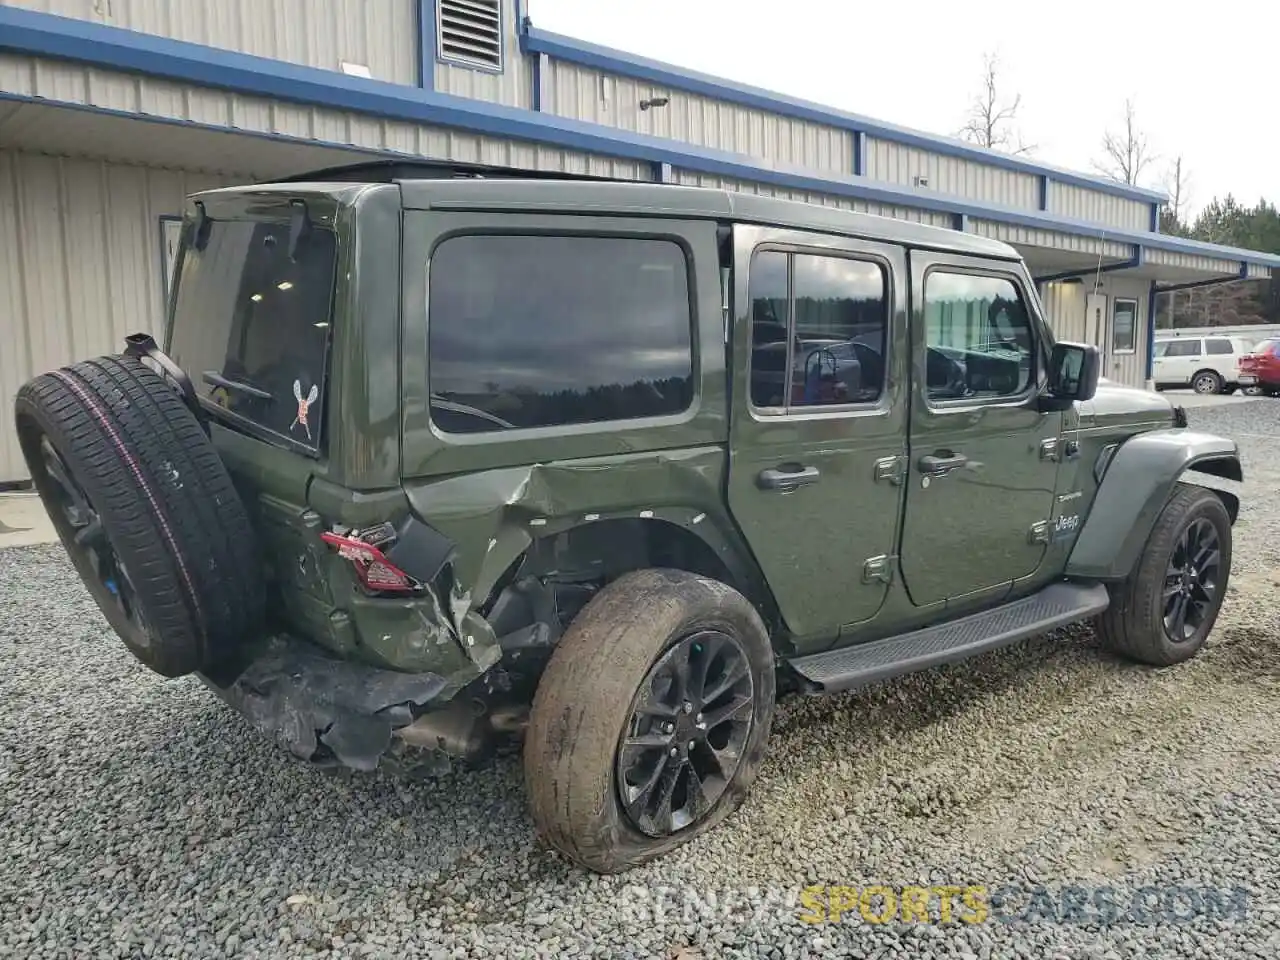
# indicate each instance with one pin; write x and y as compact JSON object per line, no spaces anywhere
{"x":251,"y":325}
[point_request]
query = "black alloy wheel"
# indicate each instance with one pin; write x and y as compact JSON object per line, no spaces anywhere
{"x":689,"y":725}
{"x":1192,"y":580}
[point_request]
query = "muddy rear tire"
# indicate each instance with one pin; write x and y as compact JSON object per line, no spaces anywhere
{"x":146,"y":510}
{"x":598,"y":728}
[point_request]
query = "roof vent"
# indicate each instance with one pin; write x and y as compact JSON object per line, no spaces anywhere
{"x":470,"y":32}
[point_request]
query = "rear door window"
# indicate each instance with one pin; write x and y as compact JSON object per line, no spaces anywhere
{"x":543,"y":331}
{"x":1183,"y":348}
{"x":1218,"y":347}
{"x":251,"y":325}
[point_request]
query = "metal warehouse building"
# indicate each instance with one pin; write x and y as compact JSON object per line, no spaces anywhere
{"x":111,"y":111}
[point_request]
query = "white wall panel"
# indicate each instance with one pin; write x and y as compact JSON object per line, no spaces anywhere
{"x":81,"y":265}
{"x":380,"y":34}
{"x":1079,"y":203}
{"x":1052,"y":239}
{"x":1189,"y":261}
{"x":897,"y":163}
{"x":613,"y":101}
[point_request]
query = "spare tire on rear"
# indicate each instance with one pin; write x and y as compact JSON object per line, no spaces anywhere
{"x":146,"y":510}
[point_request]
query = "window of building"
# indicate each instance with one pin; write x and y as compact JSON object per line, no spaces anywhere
{"x":1124,"y":326}
{"x":469,"y":32}
{"x":537,"y":331}
{"x":1183,"y":348}
{"x":251,"y":324}
{"x":978,"y":337}
{"x":1218,"y":346}
{"x":818,"y":327}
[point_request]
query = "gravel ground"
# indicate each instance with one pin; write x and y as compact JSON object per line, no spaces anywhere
{"x":140,"y":817}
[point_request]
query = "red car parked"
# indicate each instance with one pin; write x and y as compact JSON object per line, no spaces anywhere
{"x":1260,"y":370}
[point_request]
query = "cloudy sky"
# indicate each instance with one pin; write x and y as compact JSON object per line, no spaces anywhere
{"x":1201,"y":76}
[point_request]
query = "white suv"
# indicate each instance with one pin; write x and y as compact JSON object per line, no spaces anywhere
{"x":1206,"y":364}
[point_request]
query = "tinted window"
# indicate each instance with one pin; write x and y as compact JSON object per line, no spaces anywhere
{"x":1162,"y":348}
{"x":251,"y":326}
{"x":1183,"y":348}
{"x":1218,"y":346}
{"x":1124,"y":326}
{"x":542,"y":331}
{"x":837,"y":316}
{"x":978,"y":337}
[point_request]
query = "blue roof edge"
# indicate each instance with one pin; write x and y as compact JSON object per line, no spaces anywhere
{"x":47,"y":35}
{"x":586,"y":54}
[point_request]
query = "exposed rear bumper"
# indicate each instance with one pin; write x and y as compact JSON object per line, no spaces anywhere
{"x":333,"y":712}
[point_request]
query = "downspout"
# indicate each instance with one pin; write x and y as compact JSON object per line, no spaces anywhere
{"x":427,"y":44}
{"x":1152,"y":293}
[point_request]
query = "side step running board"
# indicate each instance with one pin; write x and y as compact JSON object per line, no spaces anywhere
{"x":861,"y":664}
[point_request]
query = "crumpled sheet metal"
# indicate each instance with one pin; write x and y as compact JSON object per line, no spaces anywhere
{"x":304,"y":699}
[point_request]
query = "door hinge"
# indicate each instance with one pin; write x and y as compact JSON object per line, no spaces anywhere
{"x":891,"y":469}
{"x":879,"y":568}
{"x":1039,"y":532}
{"x":1049,"y":449}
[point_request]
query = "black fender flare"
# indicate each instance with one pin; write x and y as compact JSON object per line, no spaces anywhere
{"x":1137,"y":478}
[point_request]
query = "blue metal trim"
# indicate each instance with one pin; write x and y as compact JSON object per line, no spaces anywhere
{"x":1044,"y":192}
{"x":521,"y":17}
{"x":859,"y":153}
{"x":1152,"y":292}
{"x":1135,"y":261}
{"x":112,"y":48}
{"x":1155,"y":218}
{"x":1244,"y":269}
{"x":960,"y":221}
{"x":427,"y":44}
{"x":665,"y":74}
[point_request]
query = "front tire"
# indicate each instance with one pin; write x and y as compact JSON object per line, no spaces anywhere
{"x":650,"y":723}
{"x":1163,"y":613}
{"x":1207,"y":382}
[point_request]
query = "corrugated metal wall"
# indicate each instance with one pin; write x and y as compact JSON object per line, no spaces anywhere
{"x":82,"y":263}
{"x":1077,"y":203}
{"x":1064,"y":306}
{"x":585,"y":94}
{"x":1188,"y":261}
{"x":146,"y":96}
{"x":695,"y":179}
{"x":1051,"y":239}
{"x":897,"y":163}
{"x":380,"y":34}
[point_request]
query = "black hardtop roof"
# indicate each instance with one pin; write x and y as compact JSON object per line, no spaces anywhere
{"x":461,"y":186}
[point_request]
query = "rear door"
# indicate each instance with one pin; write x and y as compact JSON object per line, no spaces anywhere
{"x":818,"y":420}
{"x":983,"y":455}
{"x":1183,"y":359}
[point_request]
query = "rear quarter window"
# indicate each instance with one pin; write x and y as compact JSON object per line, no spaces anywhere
{"x":251,"y":325}
{"x":543,"y":331}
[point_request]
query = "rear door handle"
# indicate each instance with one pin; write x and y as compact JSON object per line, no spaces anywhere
{"x":941,"y":463}
{"x":790,"y":478}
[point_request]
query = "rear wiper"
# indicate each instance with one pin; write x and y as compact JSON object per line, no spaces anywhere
{"x":218,"y":380}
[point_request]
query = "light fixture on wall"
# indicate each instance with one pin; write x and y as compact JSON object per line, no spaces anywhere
{"x":654,"y":102}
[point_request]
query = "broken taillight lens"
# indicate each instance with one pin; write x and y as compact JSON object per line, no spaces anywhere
{"x":374,"y":571}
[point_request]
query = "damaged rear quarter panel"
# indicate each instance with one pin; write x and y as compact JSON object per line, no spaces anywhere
{"x":493,"y":516}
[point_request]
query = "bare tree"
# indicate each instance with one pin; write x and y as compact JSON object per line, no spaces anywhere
{"x":1177,"y":183}
{"x":990,"y":123}
{"x":1127,"y":153}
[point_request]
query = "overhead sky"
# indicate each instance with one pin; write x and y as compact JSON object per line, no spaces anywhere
{"x":1201,"y":76}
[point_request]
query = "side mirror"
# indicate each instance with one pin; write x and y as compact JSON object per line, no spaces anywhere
{"x":1073,"y":374}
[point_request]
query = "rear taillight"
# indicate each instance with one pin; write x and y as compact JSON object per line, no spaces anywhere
{"x":374,"y":571}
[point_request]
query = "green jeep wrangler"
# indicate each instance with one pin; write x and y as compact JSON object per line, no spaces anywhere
{"x":433,"y":461}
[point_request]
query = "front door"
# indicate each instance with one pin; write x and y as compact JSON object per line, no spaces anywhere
{"x":818,"y":429}
{"x":982,"y":455}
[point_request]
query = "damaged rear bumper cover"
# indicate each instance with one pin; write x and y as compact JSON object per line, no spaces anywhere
{"x":332,"y":712}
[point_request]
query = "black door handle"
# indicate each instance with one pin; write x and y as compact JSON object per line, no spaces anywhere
{"x":792,"y":477}
{"x":941,"y":463}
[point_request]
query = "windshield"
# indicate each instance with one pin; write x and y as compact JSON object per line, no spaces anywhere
{"x":251,"y":325}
